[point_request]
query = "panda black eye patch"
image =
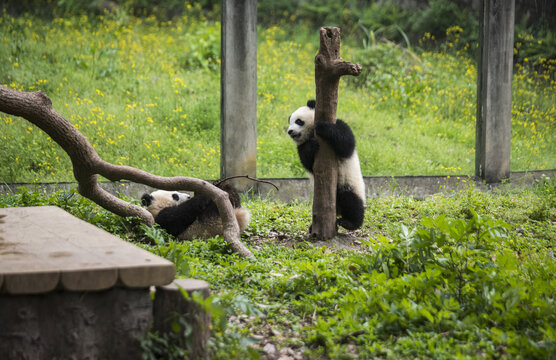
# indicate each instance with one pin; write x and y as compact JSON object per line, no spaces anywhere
{"x":146,"y":199}
{"x":299,"y":122}
{"x":175,"y":197}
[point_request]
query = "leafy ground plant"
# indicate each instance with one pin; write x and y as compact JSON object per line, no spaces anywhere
{"x":461,"y":275}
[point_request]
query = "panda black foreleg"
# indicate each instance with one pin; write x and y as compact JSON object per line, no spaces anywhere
{"x":339,"y":136}
{"x":232,"y":193}
{"x":351,"y":209}
{"x":307,"y":152}
{"x":176,"y":219}
{"x":210,"y":211}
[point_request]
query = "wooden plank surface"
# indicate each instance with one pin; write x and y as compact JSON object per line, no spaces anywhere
{"x":44,"y":248}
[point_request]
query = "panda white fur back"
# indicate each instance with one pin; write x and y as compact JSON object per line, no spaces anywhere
{"x":350,"y":196}
{"x":212,"y":226}
{"x":189,"y":217}
{"x":349,"y":172}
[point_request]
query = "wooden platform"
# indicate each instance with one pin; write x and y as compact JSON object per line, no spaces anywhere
{"x":45,"y":248}
{"x":69,"y":290}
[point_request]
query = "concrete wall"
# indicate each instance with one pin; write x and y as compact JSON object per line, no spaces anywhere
{"x":302,"y":189}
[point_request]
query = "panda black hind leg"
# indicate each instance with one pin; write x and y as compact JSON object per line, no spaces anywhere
{"x":339,"y":136}
{"x":350,"y":207}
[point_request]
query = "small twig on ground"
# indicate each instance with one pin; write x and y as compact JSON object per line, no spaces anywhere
{"x":218,"y":182}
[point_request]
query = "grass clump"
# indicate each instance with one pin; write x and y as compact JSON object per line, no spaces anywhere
{"x":463,"y":274}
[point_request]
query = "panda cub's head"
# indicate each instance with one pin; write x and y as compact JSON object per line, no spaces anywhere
{"x":160,"y":199}
{"x":302,"y":123}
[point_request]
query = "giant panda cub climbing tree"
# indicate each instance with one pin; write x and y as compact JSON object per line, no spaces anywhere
{"x":350,"y":192}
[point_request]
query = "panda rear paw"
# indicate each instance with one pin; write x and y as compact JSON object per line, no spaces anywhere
{"x":349,"y":225}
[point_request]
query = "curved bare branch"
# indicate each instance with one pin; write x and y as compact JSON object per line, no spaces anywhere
{"x":36,"y":107}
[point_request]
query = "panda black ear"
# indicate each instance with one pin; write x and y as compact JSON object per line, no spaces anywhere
{"x":311,"y":104}
{"x":146,"y":199}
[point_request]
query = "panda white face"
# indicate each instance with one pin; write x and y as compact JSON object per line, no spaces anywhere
{"x":302,"y":124}
{"x":160,"y":199}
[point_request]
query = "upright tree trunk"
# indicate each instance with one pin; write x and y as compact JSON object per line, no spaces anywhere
{"x":329,"y":66}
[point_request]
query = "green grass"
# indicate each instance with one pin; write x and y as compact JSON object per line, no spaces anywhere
{"x":462,"y":275}
{"x":466,"y":275}
{"x":146,"y":94}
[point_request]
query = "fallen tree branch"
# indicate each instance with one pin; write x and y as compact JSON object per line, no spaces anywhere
{"x":36,"y":107}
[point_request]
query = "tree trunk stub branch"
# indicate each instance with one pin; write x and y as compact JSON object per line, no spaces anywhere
{"x":36,"y":107}
{"x":329,"y":67}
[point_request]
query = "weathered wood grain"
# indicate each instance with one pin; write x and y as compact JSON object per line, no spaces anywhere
{"x":44,"y":248}
{"x":75,"y":325}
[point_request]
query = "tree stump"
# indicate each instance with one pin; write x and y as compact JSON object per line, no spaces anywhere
{"x":171,"y":307}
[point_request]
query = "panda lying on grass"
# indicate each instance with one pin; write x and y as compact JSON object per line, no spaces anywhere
{"x":350,"y":193}
{"x":189,"y":217}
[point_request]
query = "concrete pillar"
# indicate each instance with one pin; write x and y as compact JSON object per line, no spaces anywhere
{"x":494,"y":90}
{"x":238,"y":115}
